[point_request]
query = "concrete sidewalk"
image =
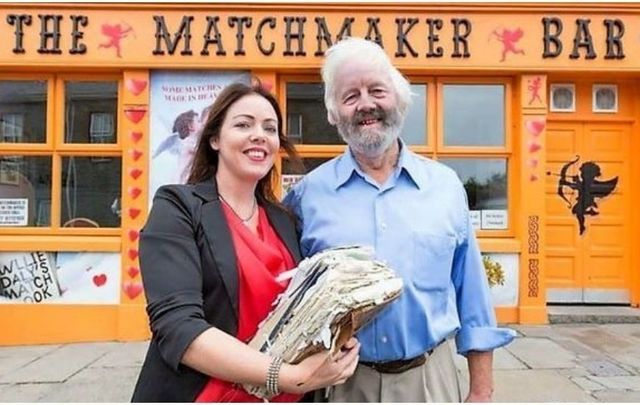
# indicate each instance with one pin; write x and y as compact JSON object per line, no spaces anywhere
{"x":554,"y":363}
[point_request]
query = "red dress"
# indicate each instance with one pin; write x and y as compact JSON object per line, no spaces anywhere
{"x":260,"y":259}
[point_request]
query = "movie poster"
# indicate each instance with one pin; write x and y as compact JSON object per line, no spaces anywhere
{"x":178,"y":110}
{"x":62,"y":277}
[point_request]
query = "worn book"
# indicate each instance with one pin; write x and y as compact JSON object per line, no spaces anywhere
{"x":331,"y":295}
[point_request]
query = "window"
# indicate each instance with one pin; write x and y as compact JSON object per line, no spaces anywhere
{"x":605,"y":98}
{"x":59,"y":167}
{"x":473,"y":114}
{"x":485,"y":181}
{"x":23,"y":111}
{"x":563,"y":98}
{"x":12,"y":127}
{"x":464,"y":123}
{"x":306,"y":100}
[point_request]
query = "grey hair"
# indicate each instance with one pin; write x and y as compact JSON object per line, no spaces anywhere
{"x":369,"y":52}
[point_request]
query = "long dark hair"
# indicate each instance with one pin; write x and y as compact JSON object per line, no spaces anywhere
{"x":205,"y":160}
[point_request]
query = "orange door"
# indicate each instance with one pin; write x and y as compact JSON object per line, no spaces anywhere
{"x":588,"y":206}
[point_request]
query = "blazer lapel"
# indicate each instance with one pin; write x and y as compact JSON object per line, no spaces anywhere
{"x":285,"y":228}
{"x":219,"y":239}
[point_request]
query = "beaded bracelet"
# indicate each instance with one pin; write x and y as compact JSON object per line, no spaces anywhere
{"x":272,"y":377}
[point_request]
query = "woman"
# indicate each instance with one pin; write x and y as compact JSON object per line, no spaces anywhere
{"x":210,"y":253}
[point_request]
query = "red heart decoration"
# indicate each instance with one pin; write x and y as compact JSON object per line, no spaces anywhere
{"x":133,"y":254}
{"x":135,"y":154}
{"x":135,"y":86}
{"x":134,"y":212}
{"x":535,"y":125}
{"x":533,"y":177}
{"x":134,"y":192}
{"x":133,"y":235}
{"x":135,"y":136}
{"x":99,"y":280}
{"x":135,"y":173}
{"x":534,"y":147}
{"x":132,"y":289}
{"x":133,"y":271}
{"x":532,"y":163}
{"x":135,"y":115}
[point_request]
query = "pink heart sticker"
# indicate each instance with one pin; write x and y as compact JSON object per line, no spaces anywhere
{"x":135,"y":136}
{"x":133,"y":254}
{"x":135,"y":86}
{"x":134,"y":192}
{"x":534,"y":147}
{"x":99,"y":280}
{"x":135,"y":115}
{"x":133,"y":271}
{"x":133,"y":235}
{"x":135,"y":154}
{"x":135,"y":173}
{"x":132,"y":289}
{"x":535,"y":125}
{"x":134,"y":212}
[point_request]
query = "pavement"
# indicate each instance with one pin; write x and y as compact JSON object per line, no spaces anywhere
{"x":550,"y":363}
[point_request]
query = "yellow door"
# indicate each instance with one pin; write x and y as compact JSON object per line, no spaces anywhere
{"x":588,"y":210}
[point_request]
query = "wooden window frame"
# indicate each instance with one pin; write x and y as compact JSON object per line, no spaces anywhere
{"x":55,"y":237}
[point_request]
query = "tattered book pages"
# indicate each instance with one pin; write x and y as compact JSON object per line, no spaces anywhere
{"x":331,"y":296}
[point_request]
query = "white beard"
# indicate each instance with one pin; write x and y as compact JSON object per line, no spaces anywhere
{"x":374,"y":141}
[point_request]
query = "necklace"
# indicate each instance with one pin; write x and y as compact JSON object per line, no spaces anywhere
{"x":244,"y":220}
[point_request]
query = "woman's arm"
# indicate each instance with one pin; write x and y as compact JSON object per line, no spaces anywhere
{"x":222,"y":356}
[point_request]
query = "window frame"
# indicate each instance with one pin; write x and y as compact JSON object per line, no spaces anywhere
{"x":55,"y":236}
{"x":508,"y":97}
{"x":484,"y":152}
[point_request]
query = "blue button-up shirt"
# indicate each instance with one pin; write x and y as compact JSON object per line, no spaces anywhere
{"x":418,"y":223}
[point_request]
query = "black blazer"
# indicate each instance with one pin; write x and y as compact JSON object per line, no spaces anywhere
{"x":190,"y":280}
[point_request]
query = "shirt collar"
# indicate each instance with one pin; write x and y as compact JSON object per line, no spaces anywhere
{"x":347,"y":165}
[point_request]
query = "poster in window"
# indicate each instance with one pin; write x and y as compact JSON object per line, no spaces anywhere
{"x":14,"y":211}
{"x":59,"y":277}
{"x":494,"y":219}
{"x":179,"y":103}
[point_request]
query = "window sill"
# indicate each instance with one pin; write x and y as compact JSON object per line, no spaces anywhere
{"x":499,"y":245}
{"x":60,"y":243}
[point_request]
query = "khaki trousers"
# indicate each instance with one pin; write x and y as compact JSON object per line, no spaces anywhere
{"x":434,"y":381}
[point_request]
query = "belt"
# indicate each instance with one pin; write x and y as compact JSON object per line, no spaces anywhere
{"x":399,"y":366}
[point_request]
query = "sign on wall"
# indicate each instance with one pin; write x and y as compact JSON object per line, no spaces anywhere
{"x":179,"y":106}
{"x":62,"y":277}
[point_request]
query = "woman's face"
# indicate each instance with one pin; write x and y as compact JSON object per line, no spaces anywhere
{"x":248,"y":141}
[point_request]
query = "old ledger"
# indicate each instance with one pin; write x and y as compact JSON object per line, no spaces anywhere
{"x":331,"y":296}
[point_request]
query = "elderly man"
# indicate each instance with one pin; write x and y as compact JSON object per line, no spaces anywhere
{"x":414,"y":212}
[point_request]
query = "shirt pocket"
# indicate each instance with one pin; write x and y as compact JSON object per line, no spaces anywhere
{"x":433,"y":261}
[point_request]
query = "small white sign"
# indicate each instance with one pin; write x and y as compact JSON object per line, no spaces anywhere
{"x":14,"y":211}
{"x":494,"y":219}
{"x":474,"y":216}
{"x":288,"y":181}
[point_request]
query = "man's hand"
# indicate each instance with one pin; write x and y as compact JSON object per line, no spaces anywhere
{"x":480,"y":376}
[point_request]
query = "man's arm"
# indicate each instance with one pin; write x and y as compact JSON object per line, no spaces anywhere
{"x":480,"y":376}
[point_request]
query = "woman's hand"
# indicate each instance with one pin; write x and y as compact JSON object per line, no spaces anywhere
{"x":320,"y":370}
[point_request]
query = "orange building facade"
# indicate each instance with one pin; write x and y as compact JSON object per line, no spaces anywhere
{"x":536,"y":106}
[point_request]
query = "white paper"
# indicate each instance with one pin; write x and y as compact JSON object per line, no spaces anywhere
{"x":494,"y":219}
{"x":14,"y":211}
